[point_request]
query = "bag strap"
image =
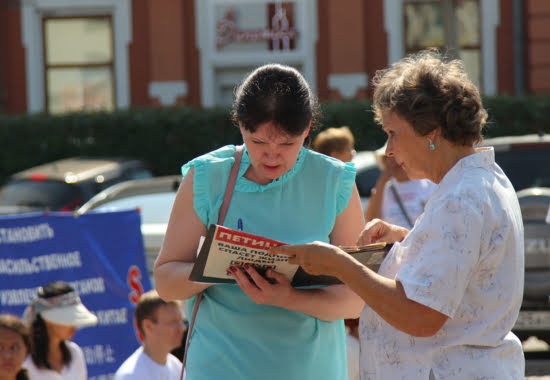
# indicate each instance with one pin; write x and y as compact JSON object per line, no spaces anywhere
{"x":400,"y":203}
{"x":230,"y":184}
{"x":221,"y":217}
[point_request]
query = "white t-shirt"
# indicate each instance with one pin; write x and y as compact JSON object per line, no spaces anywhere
{"x":413,"y":194}
{"x":465,"y":259}
{"x":139,"y":366}
{"x":76,"y":370}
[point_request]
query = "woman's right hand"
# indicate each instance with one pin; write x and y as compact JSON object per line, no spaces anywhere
{"x":260,"y":289}
{"x":377,"y":231}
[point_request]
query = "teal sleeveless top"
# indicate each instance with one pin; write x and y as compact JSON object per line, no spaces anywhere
{"x":235,"y":338}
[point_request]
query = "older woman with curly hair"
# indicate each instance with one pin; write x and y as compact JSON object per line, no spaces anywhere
{"x":445,"y":299}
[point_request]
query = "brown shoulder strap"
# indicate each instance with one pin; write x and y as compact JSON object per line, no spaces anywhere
{"x":230,"y":184}
{"x":400,"y":203}
{"x":221,"y":218}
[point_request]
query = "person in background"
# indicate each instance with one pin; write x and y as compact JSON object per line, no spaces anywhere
{"x":448,"y":293}
{"x":396,"y":199}
{"x":160,"y":329}
{"x":336,"y":142}
{"x":14,"y":347}
{"x":339,"y":143}
{"x":264,"y":329}
{"x":53,"y":317}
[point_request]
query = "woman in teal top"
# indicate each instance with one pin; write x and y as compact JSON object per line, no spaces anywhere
{"x":257,"y":329}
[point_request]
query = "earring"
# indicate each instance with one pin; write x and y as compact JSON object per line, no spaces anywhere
{"x":432,"y":145}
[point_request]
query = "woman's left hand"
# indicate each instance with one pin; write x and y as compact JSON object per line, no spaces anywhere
{"x":316,"y":258}
{"x":260,"y":289}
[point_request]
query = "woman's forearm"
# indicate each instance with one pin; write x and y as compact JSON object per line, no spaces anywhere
{"x":330,"y":303}
{"x":374,"y":207}
{"x":388,"y":299}
{"x":172,"y":281}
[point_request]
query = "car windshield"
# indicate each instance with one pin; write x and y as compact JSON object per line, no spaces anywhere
{"x":43,"y":194}
{"x":526,"y":168}
{"x":154,"y":208}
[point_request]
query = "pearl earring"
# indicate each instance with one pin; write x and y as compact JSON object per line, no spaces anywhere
{"x":432,"y":145}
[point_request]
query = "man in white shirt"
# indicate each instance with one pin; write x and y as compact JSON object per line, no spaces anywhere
{"x":160,"y":329}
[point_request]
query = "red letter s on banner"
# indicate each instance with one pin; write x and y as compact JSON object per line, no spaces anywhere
{"x":134,"y":277}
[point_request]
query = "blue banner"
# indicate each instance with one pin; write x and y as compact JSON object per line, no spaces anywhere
{"x":100,"y":254}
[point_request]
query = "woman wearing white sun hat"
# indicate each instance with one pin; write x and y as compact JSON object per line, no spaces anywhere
{"x":53,"y":318}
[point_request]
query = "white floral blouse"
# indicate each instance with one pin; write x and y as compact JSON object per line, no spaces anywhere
{"x":464,"y":258}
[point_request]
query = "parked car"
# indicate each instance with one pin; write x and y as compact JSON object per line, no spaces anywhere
{"x":66,"y":184}
{"x":525,"y":161}
{"x":153,"y":197}
{"x":534,"y":318}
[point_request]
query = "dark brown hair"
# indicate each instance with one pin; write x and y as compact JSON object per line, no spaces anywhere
{"x":275,"y":93}
{"x":12,"y":323}
{"x":429,"y":93}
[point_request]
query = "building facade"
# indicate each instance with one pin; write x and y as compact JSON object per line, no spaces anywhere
{"x":63,"y":55}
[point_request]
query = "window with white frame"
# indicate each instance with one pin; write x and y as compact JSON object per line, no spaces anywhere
{"x":423,"y":28}
{"x":78,"y":63}
{"x":76,"y":54}
{"x":415,"y":24}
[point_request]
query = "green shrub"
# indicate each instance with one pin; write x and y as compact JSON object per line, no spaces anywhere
{"x":168,"y":137}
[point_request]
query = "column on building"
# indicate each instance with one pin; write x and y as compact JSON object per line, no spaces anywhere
{"x":342,"y":56}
